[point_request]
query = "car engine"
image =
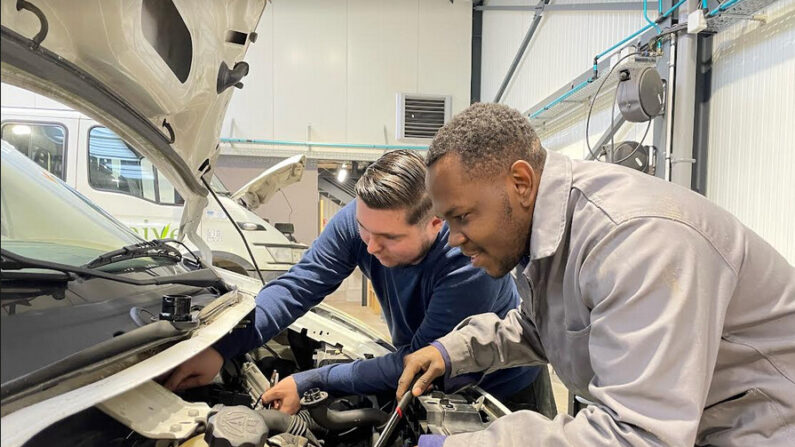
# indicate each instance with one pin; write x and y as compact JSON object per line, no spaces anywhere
{"x":229,"y":413}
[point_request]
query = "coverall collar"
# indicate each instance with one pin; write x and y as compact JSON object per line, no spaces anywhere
{"x":549,"y":214}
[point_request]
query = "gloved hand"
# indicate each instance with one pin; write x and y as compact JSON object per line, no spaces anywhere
{"x":284,"y":396}
{"x":197,"y":371}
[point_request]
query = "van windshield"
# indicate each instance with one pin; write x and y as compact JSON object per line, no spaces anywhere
{"x":43,"y":218}
{"x":218,"y":186}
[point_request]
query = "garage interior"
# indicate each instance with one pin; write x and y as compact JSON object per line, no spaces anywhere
{"x":697,"y":93}
{"x":339,"y":75}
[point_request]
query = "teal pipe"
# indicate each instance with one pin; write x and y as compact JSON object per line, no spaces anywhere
{"x":621,"y":43}
{"x":562,"y":97}
{"x":723,"y":7}
{"x":319,"y":144}
{"x":636,"y":33}
{"x":608,"y":51}
{"x":646,"y":15}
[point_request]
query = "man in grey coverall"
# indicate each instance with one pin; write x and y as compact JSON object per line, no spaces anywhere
{"x":661,"y":308}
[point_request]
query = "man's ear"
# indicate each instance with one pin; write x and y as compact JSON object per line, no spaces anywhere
{"x":435,"y":223}
{"x":522,"y":180}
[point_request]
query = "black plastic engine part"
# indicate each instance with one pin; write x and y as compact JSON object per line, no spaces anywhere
{"x":300,"y":424}
{"x":175,"y":308}
{"x":215,"y":394}
{"x":317,"y":403}
{"x":236,"y":426}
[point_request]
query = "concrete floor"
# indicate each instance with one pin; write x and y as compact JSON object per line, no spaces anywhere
{"x":348,"y":298}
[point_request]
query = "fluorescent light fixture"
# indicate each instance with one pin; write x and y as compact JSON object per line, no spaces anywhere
{"x":20,"y":129}
{"x":342,"y":173}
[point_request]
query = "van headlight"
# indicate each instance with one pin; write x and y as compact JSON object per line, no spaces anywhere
{"x":250,"y":226}
{"x":282,"y":255}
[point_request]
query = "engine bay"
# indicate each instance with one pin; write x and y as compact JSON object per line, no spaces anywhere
{"x":228,"y":412}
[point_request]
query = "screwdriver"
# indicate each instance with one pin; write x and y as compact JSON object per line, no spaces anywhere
{"x":393,"y":420}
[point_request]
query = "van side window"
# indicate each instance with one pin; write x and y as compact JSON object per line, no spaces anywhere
{"x":43,"y":143}
{"x":114,"y":166}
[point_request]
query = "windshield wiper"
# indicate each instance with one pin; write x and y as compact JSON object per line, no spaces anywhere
{"x":199,"y":278}
{"x":148,"y":249}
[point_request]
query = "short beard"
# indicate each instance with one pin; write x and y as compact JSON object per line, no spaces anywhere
{"x":426,"y":247}
{"x":510,"y":226}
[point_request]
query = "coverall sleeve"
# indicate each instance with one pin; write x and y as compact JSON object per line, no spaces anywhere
{"x":330,"y":259}
{"x":458,"y":294}
{"x":486,"y":343}
{"x":657,"y":311}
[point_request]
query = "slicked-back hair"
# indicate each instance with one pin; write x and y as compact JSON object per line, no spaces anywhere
{"x":397,"y":181}
{"x":488,"y":138}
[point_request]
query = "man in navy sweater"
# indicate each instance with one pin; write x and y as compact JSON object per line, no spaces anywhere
{"x":425,"y":288}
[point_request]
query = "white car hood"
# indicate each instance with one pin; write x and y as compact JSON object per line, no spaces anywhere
{"x":264,"y":186}
{"x":116,"y":44}
{"x":156,"y":72}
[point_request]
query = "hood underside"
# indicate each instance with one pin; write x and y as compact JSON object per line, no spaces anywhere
{"x":158,"y":72}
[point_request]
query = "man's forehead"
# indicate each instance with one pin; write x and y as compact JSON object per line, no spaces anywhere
{"x":387,"y":222}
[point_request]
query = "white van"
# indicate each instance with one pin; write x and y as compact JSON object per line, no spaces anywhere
{"x":101,"y":166}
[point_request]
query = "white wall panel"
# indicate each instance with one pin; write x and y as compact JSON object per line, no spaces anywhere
{"x":444,"y":56}
{"x":309,"y":63}
{"x":752,"y":125}
{"x":337,"y":65}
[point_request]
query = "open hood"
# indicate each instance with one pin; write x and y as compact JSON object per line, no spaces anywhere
{"x":260,"y":190}
{"x":159,"y":73}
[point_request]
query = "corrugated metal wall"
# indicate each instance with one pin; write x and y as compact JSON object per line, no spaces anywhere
{"x":751,"y":167}
{"x":752,"y":111}
{"x":563,"y":47}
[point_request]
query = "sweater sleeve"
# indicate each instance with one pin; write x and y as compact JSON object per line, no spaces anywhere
{"x":458,"y":293}
{"x":330,"y":259}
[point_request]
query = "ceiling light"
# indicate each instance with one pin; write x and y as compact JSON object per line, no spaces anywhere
{"x":342,"y":173}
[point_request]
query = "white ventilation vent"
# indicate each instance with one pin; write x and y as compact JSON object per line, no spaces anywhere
{"x":420,"y":116}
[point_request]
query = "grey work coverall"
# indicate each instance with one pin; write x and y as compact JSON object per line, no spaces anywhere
{"x":676,"y":320}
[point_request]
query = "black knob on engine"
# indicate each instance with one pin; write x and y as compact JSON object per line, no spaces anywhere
{"x":237,"y":426}
{"x":313,"y":397}
{"x":175,"y":308}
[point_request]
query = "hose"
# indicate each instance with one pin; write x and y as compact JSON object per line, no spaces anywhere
{"x":299,"y":425}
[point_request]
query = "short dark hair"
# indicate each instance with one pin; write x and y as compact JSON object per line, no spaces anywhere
{"x":488,"y":138}
{"x":396,"y":181}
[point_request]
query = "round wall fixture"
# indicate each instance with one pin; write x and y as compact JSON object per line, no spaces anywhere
{"x":640,"y":94}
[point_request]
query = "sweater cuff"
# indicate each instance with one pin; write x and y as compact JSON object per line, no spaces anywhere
{"x":306,"y":380}
{"x":445,"y":356}
{"x":456,"y":346}
{"x":431,"y":441}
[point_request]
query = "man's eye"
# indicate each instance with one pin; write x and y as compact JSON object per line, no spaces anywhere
{"x":463,"y":217}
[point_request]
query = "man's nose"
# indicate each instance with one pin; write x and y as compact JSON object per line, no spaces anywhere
{"x":373,"y":246}
{"x":456,"y":238}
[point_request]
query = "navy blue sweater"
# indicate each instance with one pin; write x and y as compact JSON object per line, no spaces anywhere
{"x":420,"y":302}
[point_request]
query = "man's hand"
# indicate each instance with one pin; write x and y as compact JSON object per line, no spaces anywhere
{"x":196,"y":371}
{"x":427,"y":359}
{"x":284,"y":396}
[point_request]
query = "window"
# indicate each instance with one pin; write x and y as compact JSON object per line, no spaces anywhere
{"x":43,"y":143}
{"x":116,"y":167}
